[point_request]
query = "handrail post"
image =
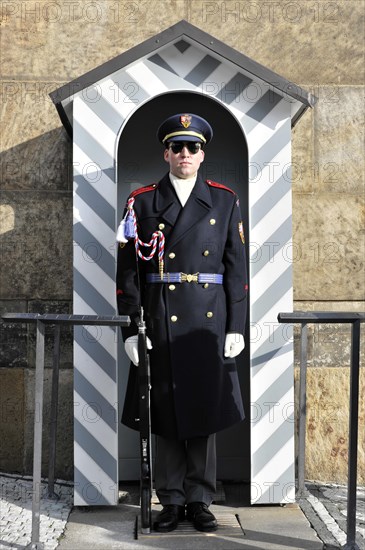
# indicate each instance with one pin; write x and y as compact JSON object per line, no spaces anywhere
{"x":353,"y":436}
{"x":35,"y":543}
{"x":41,"y":321}
{"x":53,"y":413}
{"x":301,"y":490}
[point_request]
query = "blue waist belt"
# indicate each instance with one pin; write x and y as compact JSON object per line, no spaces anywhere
{"x":214,"y":278}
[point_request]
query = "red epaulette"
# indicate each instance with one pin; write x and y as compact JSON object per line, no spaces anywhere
{"x":219,"y":186}
{"x":143,"y":190}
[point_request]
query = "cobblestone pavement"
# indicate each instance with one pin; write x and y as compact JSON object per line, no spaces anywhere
{"x":16,"y":512}
{"x":325,"y":508}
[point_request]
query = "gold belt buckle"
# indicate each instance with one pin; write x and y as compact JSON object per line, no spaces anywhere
{"x":189,"y":277}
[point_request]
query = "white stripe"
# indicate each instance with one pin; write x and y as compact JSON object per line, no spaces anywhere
{"x":285,"y":303}
{"x":258,"y":133}
{"x":144,"y":76}
{"x":96,"y":475}
{"x":269,"y":223}
{"x":93,"y":125}
{"x":93,"y":422}
{"x":271,"y":271}
{"x":94,"y":224}
{"x":274,"y":468}
{"x":175,"y":82}
{"x":267,"y":375}
{"x":80,"y":307}
{"x":92,"y":371}
{"x":120,"y":101}
{"x":95,"y":275}
{"x":264,"y":173}
{"x":100,"y":181}
{"x":182,"y":63}
{"x":101,"y":160}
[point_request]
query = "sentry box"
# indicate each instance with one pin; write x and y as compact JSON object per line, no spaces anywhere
{"x":112,"y":114}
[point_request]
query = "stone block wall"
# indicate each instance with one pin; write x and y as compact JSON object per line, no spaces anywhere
{"x":45,"y":44}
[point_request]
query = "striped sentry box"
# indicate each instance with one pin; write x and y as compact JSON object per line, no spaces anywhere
{"x":265,"y":118}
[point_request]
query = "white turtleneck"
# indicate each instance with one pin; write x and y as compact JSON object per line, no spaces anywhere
{"x":183,"y":187}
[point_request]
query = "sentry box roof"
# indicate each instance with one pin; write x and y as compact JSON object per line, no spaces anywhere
{"x":181,"y":38}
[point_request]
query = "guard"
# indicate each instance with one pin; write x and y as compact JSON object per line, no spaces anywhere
{"x":182,"y":257}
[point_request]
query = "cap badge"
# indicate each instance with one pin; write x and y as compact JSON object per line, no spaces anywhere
{"x":185,"y":120}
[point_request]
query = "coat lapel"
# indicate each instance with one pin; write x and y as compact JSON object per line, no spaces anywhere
{"x":167,"y":204}
{"x":197,"y":206}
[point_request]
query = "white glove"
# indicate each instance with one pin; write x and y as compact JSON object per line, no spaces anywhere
{"x":131,"y":348}
{"x":234,"y":344}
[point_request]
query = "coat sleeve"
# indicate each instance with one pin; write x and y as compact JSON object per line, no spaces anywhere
{"x":128,"y":297}
{"x":235,"y":274}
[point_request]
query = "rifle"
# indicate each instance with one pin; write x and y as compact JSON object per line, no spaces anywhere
{"x":144,"y":426}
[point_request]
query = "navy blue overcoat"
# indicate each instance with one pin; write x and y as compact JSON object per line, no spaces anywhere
{"x":195,"y":389}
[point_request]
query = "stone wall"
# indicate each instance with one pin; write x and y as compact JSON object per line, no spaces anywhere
{"x":45,"y":44}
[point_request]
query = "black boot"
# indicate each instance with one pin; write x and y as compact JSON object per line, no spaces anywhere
{"x":169,"y":517}
{"x":202,"y":518}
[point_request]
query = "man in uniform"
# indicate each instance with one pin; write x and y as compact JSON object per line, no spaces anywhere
{"x":193,"y":290}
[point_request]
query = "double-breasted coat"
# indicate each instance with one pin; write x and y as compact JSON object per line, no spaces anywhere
{"x":195,"y":389}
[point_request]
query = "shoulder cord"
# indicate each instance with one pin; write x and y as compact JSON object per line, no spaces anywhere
{"x":156,"y":236}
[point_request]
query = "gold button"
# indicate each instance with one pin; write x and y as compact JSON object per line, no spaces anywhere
{"x":172,"y":287}
{"x":173,"y":318}
{"x":206,"y":252}
{"x":212,"y":221}
{"x":161,"y":226}
{"x":206,"y":285}
{"x":172,"y":255}
{"x":209,"y":314}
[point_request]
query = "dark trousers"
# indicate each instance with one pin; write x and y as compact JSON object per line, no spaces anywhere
{"x":185,"y":471}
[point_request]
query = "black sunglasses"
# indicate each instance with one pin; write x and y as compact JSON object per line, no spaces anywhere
{"x":178,"y":146}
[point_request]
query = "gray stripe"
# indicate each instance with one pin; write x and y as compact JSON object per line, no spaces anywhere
{"x":89,"y":490}
{"x":273,"y":293}
{"x":134,"y":91}
{"x":110,"y":172}
{"x":106,"y":111}
{"x":234,"y":88}
{"x":97,"y":252}
{"x":91,"y":296}
{"x":96,"y":201}
{"x":271,"y":197}
{"x":182,"y":46}
{"x":157,"y":59}
{"x":94,"y":150}
{"x":274,"y":494}
{"x":273,"y":444}
{"x":281,"y":336}
{"x":97,"y":403}
{"x":175,"y":81}
{"x":273,"y":245}
{"x":265,"y":357}
{"x":263,"y":106}
{"x":87,"y":341}
{"x":202,"y":70}
{"x":272,"y":147}
{"x":95,"y":450}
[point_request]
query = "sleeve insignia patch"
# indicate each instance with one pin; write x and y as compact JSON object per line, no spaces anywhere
{"x":240,"y":231}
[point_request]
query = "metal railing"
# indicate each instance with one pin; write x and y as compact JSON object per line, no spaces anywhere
{"x":57,"y":321}
{"x":305,"y":318}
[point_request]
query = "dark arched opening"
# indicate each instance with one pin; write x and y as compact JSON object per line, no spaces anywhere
{"x":140,"y":162}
